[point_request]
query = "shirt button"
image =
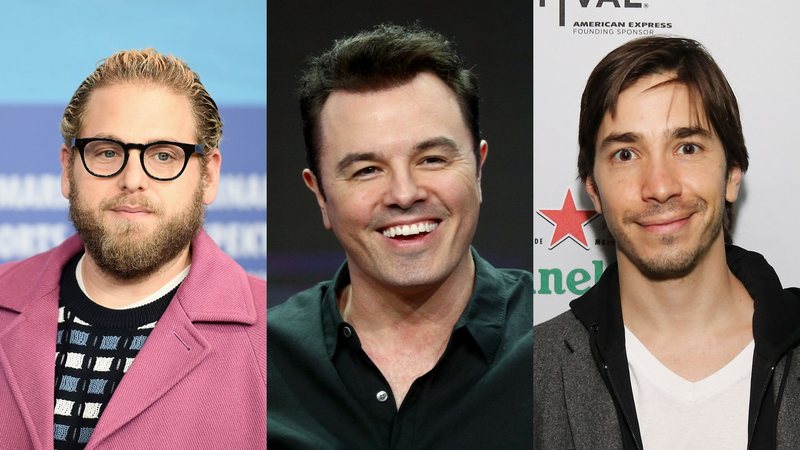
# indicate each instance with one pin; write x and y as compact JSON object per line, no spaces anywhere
{"x":382,"y":396}
{"x":347,"y":332}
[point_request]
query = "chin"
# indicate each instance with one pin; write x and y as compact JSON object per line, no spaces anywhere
{"x":415,"y":277}
{"x":667,"y":265}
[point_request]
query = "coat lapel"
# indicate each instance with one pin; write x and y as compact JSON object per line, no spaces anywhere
{"x":173,"y":349}
{"x":590,"y":410}
{"x":27,"y":355}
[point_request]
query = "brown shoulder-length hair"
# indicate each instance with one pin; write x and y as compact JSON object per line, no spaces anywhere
{"x":692,"y":66}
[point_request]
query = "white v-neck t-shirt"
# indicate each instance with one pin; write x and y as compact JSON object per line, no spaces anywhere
{"x":675,"y":413}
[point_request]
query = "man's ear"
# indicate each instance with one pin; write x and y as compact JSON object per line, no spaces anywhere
{"x":211,"y":176}
{"x":733,"y":184}
{"x":483,"y":152}
{"x":591,"y":189}
{"x":314,"y":185}
{"x":66,"y":156}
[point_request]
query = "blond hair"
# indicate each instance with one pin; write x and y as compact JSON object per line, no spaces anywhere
{"x":147,"y":66}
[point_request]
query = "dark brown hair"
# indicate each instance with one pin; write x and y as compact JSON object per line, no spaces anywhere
{"x":384,"y":57}
{"x":692,"y":66}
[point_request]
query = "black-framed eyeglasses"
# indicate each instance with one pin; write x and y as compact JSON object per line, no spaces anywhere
{"x":162,"y":160}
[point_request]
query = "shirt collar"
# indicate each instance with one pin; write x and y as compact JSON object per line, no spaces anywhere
{"x":483,"y":318}
{"x":332,"y":320}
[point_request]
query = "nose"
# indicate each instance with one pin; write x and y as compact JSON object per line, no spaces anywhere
{"x":661,"y":181}
{"x":133,"y":178}
{"x":404,"y":189}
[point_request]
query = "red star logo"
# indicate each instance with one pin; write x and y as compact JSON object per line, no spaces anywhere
{"x":569,"y":222}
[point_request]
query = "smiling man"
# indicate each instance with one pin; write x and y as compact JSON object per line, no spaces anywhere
{"x":687,"y":341}
{"x":416,"y":342}
{"x":158,"y":337}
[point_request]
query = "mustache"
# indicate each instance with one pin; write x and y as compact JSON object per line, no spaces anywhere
{"x":130,"y":200}
{"x":672,"y":206}
{"x":425,"y":209}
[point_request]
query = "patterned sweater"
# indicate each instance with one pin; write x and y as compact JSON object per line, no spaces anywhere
{"x":95,"y":347}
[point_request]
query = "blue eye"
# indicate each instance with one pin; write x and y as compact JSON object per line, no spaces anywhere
{"x":105,"y":153}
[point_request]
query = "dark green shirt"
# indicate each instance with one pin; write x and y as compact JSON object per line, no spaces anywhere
{"x":323,"y":391}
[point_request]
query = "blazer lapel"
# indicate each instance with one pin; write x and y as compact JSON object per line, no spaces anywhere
{"x":590,"y":409}
{"x":172,"y":350}
{"x":27,"y":355}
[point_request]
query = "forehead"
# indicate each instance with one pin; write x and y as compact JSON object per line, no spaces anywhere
{"x":138,"y":113}
{"x":654,"y":101}
{"x":392,"y":118}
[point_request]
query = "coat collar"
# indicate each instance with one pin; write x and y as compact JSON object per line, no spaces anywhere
{"x":777,"y":311}
{"x":775,"y":318}
{"x":37,"y":276}
{"x":216,"y":289}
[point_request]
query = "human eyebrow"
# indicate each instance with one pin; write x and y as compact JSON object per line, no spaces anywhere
{"x":108,"y":136}
{"x":352,"y":158}
{"x":439,"y":141}
{"x":620,"y":138}
{"x":113,"y":137}
{"x":685,"y":132}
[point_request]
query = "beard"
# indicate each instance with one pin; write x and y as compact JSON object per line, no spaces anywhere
{"x":670,"y":262}
{"x":121,"y":248}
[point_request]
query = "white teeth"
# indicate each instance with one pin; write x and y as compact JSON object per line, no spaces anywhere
{"x":410,"y":230}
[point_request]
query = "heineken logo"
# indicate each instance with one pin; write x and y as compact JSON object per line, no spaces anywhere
{"x":569,"y":222}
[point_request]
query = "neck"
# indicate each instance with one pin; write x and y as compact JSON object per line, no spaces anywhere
{"x":405,"y":331}
{"x":112,"y":292}
{"x":708,"y":299}
{"x":372,"y":307}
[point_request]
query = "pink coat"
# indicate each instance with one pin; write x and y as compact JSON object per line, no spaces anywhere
{"x":199,"y":382}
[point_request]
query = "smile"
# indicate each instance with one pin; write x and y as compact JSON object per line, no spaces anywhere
{"x":410,"y":230}
{"x":666,"y":225}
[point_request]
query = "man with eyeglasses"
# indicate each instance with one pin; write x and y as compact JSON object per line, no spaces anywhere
{"x":138,"y":331}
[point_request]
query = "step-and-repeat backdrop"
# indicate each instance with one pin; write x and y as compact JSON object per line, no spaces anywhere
{"x":755,"y":44}
{"x":48,"y":48}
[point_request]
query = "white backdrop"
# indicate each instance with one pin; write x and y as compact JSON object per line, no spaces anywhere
{"x":757,"y":45}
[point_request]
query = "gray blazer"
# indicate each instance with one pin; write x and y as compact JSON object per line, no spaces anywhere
{"x":572,"y":409}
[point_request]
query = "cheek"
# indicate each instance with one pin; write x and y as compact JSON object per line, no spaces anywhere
{"x":618,"y":202}
{"x":459,"y":189}
{"x":707,"y":184}
{"x":86,"y":190}
{"x":347,"y":212}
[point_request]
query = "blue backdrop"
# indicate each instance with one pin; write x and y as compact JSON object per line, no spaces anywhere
{"x":47,"y":48}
